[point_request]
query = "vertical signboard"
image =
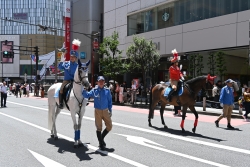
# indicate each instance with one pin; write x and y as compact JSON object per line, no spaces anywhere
{"x":67,"y":29}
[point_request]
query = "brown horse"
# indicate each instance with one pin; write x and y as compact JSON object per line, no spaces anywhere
{"x":187,"y":99}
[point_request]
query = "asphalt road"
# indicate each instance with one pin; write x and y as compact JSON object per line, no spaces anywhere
{"x":25,"y":140}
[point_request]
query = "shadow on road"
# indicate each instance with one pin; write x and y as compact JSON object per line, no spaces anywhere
{"x":187,"y":133}
{"x":106,"y":151}
{"x":68,"y":146}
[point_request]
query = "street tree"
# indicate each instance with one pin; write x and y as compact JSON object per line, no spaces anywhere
{"x":221,"y":67}
{"x":112,"y":64}
{"x":142,"y":55}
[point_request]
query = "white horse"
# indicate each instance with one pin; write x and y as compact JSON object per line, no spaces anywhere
{"x":76,"y":102}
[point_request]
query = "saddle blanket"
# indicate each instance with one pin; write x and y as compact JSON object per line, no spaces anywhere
{"x":168,"y":89}
{"x":57,"y":93}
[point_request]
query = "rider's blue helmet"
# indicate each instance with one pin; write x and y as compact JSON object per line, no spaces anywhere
{"x":74,"y":53}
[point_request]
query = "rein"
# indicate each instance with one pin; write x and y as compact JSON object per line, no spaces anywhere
{"x":79,"y":83}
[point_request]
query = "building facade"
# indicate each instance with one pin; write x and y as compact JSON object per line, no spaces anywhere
{"x":202,"y":27}
{"x":22,"y":16}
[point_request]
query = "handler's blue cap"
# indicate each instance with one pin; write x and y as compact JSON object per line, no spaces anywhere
{"x":100,"y":78}
{"x":229,"y":81}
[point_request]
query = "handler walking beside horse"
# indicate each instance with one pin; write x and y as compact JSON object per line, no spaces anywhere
{"x":103,"y":109}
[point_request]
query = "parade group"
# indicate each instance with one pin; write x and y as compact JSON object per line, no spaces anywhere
{"x":223,"y":94}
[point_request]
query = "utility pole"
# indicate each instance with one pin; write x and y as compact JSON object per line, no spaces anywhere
{"x":37,"y":71}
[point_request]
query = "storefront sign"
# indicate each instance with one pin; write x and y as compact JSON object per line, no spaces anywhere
{"x":165,"y":16}
{"x":82,"y":55}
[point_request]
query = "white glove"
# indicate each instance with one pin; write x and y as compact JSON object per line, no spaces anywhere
{"x":110,"y":114}
{"x":221,"y":104}
{"x":182,"y":78}
{"x":62,"y":58}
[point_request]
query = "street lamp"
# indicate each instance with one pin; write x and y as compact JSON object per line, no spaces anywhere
{"x":44,"y":28}
{"x":30,"y":60}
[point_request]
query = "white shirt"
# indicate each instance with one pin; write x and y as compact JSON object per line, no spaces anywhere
{"x":4,"y":89}
{"x":27,"y":88}
{"x":133,"y":87}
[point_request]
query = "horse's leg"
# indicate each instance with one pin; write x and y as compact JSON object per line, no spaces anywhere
{"x":161,"y":113}
{"x":54,"y":126}
{"x":80,"y":144}
{"x":196,"y":117}
{"x":75,"y":128}
{"x":184,"y":111}
{"x":51,"y":119}
{"x":151,"y":112}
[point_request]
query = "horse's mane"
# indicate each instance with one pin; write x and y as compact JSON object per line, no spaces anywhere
{"x":192,"y":81}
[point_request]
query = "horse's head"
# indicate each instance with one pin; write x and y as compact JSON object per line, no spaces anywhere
{"x":81,"y":74}
{"x":209,"y":84}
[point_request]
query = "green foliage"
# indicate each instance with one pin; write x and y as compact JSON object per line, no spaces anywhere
{"x":142,"y":55}
{"x":196,"y":65}
{"x":112,"y":63}
{"x":211,"y":63}
{"x":221,"y":67}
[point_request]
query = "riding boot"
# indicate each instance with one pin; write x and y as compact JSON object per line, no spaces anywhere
{"x":229,"y":126}
{"x":170,"y":95}
{"x":104,"y":133}
{"x":99,"y":137}
{"x":60,"y":101}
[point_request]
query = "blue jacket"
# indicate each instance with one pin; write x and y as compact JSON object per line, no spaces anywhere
{"x":69,"y":69}
{"x":226,"y":95}
{"x":102,"y":98}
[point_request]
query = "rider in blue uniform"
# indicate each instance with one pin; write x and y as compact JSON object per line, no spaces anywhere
{"x":69,"y":68}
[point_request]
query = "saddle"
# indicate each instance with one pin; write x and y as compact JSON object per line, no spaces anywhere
{"x":66,"y":93}
{"x":169,"y":92}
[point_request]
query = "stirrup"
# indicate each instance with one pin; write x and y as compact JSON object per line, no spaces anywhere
{"x":60,"y":106}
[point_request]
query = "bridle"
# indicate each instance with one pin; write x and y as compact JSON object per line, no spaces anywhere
{"x":81,"y":79}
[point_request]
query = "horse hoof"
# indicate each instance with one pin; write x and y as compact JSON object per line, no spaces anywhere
{"x":80,"y":145}
{"x":56,"y":138}
{"x":52,"y":136}
{"x":183,"y":130}
{"x":165,"y":126}
{"x":193,"y":130}
{"x":150,"y":125}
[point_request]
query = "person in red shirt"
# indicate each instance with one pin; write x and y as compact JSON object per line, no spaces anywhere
{"x":175,"y":74}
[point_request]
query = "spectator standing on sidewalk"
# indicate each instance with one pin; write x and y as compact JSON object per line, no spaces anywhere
{"x":27,"y":90}
{"x":227,"y":102}
{"x":124,"y":85}
{"x":3,"y":90}
{"x":216,"y":93}
{"x":177,"y":111}
{"x":246,"y":103}
{"x":117,"y":89}
{"x":133,"y":92}
{"x":42,"y":91}
{"x":18,"y":90}
{"x":24,"y":90}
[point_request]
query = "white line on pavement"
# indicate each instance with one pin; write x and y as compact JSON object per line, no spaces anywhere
{"x":159,"y":133}
{"x":86,"y":145}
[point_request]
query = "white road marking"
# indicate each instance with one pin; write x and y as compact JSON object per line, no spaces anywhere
{"x":131,"y":162}
{"x":144,"y":142}
{"x":199,"y":142}
{"x":45,"y":161}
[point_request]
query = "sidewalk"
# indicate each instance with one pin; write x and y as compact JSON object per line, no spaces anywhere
{"x":198,"y":107}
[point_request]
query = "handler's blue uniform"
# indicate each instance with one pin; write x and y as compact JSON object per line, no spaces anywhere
{"x":102,"y":98}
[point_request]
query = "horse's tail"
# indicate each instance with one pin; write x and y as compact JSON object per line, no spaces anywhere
{"x":151,"y":112}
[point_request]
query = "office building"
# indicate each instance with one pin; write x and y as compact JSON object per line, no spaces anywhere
{"x":201,"y":27}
